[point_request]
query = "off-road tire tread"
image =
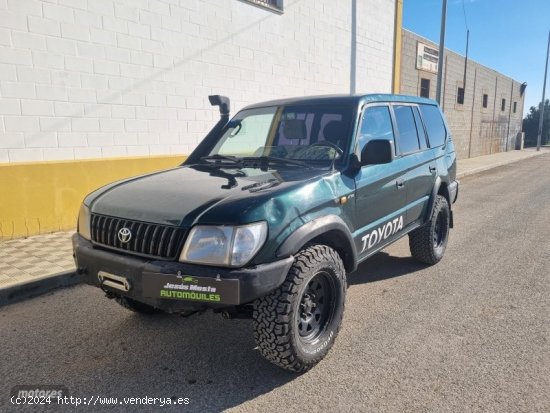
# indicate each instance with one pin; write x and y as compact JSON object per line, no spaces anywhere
{"x":420,"y":240}
{"x":273,"y":312}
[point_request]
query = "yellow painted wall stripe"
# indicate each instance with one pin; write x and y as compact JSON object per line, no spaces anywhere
{"x":42,"y":197}
{"x":398,"y":26}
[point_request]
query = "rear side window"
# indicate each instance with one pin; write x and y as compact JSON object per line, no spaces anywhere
{"x":434,"y":125}
{"x":376,"y":124}
{"x":420,"y":129}
{"x":408,"y":137}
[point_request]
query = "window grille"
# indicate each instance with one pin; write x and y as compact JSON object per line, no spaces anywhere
{"x":276,"y":5}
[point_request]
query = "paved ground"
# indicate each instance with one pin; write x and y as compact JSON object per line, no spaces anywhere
{"x":27,"y":260}
{"x":469,"y":334}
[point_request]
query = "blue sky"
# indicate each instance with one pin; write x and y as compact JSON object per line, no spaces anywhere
{"x":509,"y":36}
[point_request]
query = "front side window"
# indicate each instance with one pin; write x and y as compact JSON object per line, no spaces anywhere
{"x":314,"y":133}
{"x":376,"y":124}
{"x":408,"y":137}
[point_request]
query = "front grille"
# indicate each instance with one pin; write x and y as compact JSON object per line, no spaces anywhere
{"x":152,"y":240}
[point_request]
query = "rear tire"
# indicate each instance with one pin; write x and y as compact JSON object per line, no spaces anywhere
{"x":136,"y":306}
{"x":428,"y":243}
{"x":296,"y":325}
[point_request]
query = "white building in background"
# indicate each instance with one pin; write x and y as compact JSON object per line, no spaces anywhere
{"x":109,"y":80}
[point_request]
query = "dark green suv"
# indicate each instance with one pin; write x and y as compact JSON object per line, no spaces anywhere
{"x":271,"y":211}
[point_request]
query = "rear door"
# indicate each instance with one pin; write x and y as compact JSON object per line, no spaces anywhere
{"x":380,"y":202}
{"x":418,"y":159}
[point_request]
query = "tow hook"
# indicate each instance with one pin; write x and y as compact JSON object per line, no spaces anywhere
{"x":114,"y":281}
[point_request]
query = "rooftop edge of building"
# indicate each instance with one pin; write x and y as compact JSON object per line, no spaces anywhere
{"x":435,"y":44}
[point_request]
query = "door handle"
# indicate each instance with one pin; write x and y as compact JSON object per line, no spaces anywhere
{"x":433,"y":169}
{"x":400,"y":184}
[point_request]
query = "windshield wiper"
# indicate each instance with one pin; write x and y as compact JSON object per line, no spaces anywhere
{"x":266,"y":160}
{"x":252,"y":161}
{"x":222,"y":159}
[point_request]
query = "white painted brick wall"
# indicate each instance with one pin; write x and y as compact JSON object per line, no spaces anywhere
{"x":101,"y":78}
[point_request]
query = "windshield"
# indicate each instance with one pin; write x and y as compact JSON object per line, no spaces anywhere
{"x":317,"y":134}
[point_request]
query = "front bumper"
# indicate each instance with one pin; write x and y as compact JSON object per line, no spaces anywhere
{"x":174,"y":286}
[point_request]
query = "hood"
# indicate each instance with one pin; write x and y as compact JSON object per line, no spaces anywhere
{"x":198,"y":193}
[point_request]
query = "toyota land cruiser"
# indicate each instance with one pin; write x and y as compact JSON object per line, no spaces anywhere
{"x":270,"y":212}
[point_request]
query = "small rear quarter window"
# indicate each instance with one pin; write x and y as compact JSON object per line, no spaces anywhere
{"x":434,"y":124}
{"x":420,"y":129}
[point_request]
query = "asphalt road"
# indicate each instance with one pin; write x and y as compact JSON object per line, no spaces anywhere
{"x":469,"y":334}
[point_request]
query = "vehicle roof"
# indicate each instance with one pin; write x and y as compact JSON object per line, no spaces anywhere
{"x":343,"y":99}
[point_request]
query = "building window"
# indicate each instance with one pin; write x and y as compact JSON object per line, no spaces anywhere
{"x":460,"y":96}
{"x":485,"y":100}
{"x":425,"y":88}
{"x":515,"y":107}
{"x":276,"y":5}
{"x":503,"y":105}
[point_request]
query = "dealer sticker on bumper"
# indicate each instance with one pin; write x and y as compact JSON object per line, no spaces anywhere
{"x":190,"y":288}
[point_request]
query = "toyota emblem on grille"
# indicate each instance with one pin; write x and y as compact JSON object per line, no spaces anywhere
{"x":124,"y":235}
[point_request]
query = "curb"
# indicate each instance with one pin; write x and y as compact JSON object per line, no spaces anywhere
{"x":496,"y":165}
{"x":35,"y":288}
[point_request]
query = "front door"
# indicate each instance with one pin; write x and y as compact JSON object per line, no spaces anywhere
{"x":380,"y":200}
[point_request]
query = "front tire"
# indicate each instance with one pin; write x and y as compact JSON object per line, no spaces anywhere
{"x":428,"y":243}
{"x":296,"y":325}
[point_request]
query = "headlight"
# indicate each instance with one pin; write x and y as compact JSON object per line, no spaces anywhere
{"x":84,"y":222}
{"x":223,"y":245}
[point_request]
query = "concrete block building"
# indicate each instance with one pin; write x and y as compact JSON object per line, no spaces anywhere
{"x":96,"y":90}
{"x":485,"y":116}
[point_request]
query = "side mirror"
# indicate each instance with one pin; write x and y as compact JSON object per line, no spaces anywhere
{"x":354,"y":163}
{"x":377,"y":151}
